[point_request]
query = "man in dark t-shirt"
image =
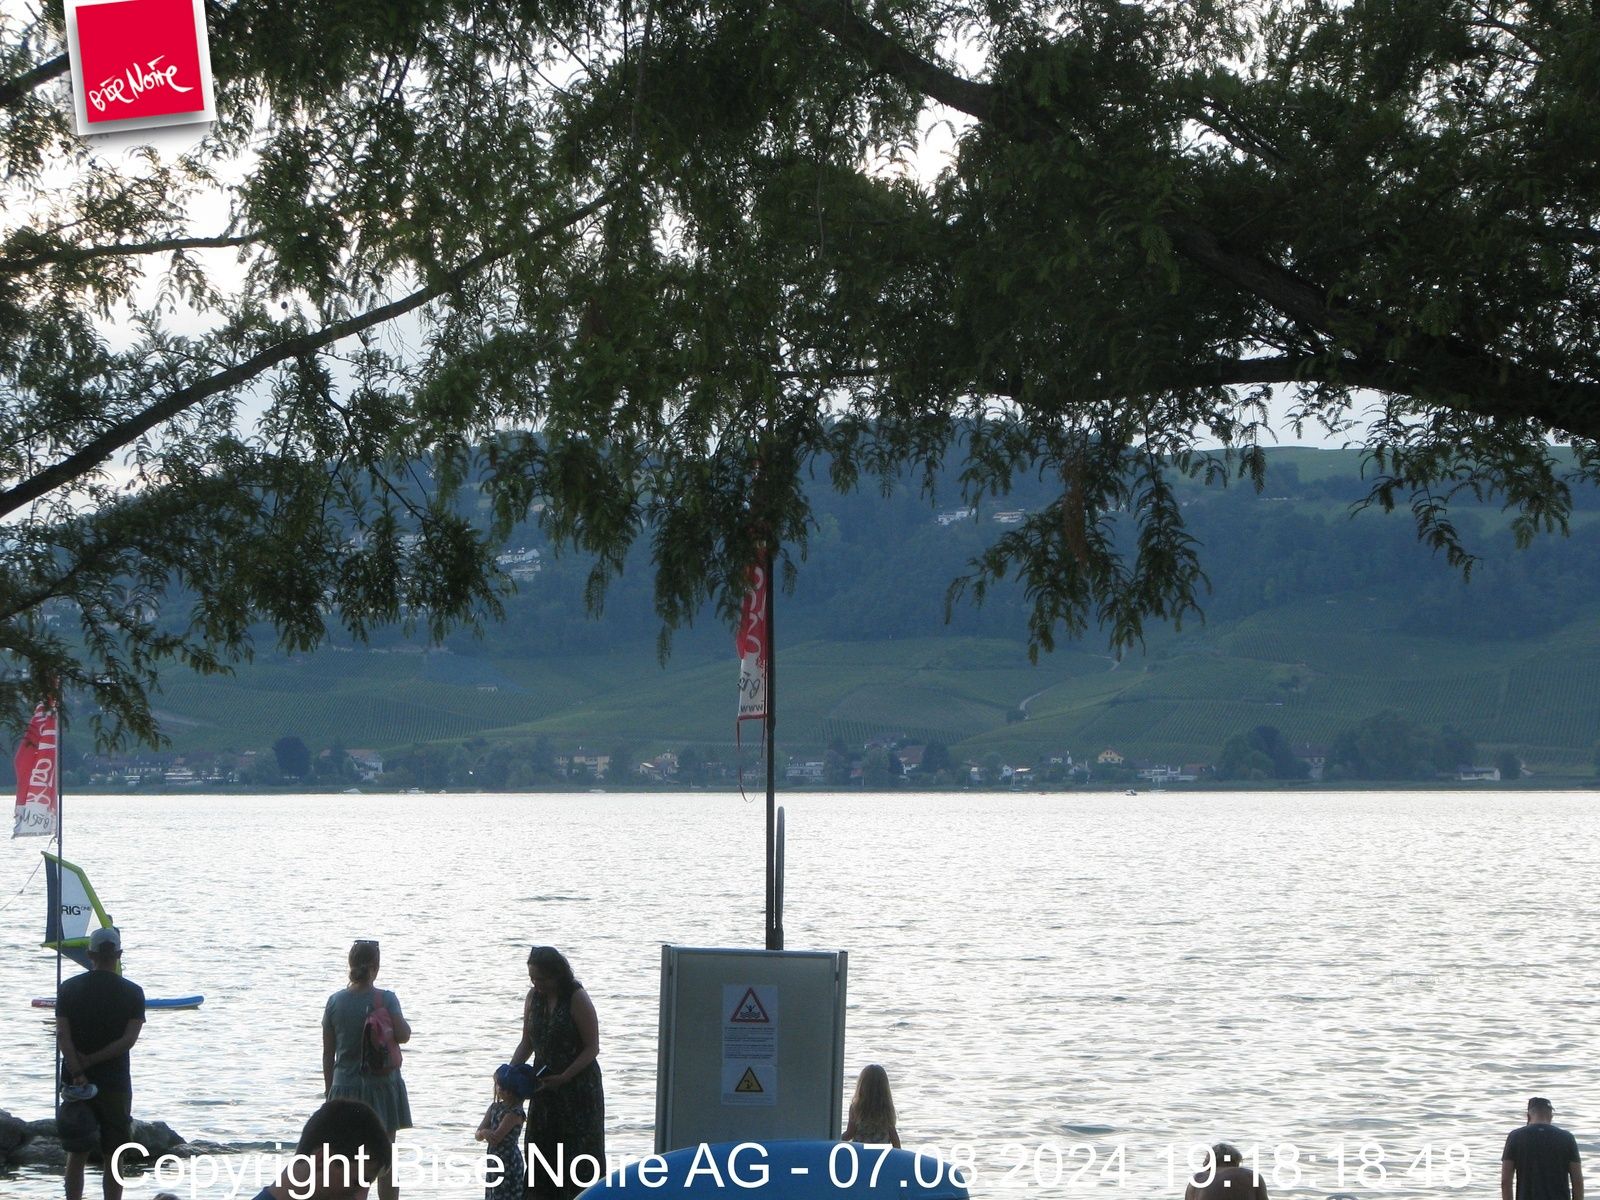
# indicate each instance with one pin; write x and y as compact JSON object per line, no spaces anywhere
{"x":98,"y":1018}
{"x":1542,"y":1157}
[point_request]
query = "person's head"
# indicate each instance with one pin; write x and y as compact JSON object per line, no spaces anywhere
{"x":550,"y":973}
{"x":873,"y":1098}
{"x":507,"y":1089}
{"x":342,"y":1151}
{"x":1225,"y":1154}
{"x":105,"y":948}
{"x":1540,"y":1111}
{"x":363,"y":961}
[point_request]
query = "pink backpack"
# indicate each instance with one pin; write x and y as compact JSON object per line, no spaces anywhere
{"x":380,"y":1053}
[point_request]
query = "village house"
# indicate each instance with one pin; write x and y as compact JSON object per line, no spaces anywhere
{"x":180,"y":774}
{"x":660,"y":768}
{"x":1004,"y":773}
{"x":522,"y":564}
{"x":126,"y":768}
{"x":1315,"y":757}
{"x":582,"y":762}
{"x":367,"y":763}
{"x":1161,"y":773}
{"x":804,"y":771}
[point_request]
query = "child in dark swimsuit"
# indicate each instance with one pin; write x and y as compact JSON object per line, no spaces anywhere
{"x":501,"y":1129}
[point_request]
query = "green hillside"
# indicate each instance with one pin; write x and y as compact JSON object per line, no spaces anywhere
{"x":1315,"y":669}
{"x":938,"y":689}
{"x":1310,"y":669}
{"x":1317,"y":620}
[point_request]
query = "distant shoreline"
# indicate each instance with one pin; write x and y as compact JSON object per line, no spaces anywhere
{"x":1553,"y":784}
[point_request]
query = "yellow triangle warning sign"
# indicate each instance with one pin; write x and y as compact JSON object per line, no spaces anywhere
{"x":748,"y":1082}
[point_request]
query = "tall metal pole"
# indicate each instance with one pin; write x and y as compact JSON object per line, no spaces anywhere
{"x":774,"y":918}
{"x":61,"y":853}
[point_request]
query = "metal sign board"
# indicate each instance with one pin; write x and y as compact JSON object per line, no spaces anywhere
{"x":751,"y":1046}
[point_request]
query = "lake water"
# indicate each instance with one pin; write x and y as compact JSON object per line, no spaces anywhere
{"x":1041,"y":975}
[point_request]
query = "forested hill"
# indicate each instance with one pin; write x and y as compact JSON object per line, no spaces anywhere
{"x":1317,"y":619}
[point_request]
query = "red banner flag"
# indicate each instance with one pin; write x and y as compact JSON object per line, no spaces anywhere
{"x":751,"y":643}
{"x":38,"y":764}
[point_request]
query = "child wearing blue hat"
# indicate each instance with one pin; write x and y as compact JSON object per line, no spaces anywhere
{"x":501,"y":1128}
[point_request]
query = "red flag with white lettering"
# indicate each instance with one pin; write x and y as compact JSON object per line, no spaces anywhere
{"x":38,"y":764}
{"x":751,"y":642}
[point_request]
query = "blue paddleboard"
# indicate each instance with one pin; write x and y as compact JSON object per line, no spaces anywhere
{"x":150,"y":1002}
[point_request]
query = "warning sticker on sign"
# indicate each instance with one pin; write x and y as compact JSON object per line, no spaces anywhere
{"x":749,"y":1043}
{"x":750,"y":1010}
{"x":754,"y":1083}
{"x":749,"y":1023}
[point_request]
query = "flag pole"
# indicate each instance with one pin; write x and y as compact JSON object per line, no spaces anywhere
{"x":774,"y":917}
{"x":61,"y":853}
{"x":38,"y":813}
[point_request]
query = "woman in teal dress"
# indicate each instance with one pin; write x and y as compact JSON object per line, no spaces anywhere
{"x":567,"y":1116}
{"x":342,"y":1075}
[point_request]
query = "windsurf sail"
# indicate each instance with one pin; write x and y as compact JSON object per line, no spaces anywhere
{"x":73,"y":909}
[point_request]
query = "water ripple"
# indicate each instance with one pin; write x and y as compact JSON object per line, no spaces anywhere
{"x":1389,"y":970}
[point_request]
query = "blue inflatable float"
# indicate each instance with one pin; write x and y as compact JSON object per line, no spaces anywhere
{"x":792,"y":1170}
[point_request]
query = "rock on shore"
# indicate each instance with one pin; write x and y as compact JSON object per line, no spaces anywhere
{"x":36,"y":1144}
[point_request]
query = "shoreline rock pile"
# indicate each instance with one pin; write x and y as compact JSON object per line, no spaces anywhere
{"x":36,"y":1144}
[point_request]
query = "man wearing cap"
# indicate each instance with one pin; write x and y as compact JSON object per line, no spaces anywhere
{"x":98,"y":1018}
{"x":1542,"y":1157}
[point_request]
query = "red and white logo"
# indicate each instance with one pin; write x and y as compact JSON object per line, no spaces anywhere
{"x":139,"y":64}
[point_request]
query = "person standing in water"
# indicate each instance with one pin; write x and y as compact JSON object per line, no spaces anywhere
{"x":1541,"y":1158}
{"x":98,"y":1018}
{"x":567,"y":1116}
{"x":344,"y":1076}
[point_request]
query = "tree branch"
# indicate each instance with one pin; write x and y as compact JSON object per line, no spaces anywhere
{"x":69,"y":255}
{"x":217,"y":18}
{"x":97,"y":451}
{"x":1560,"y":235}
{"x":1445,"y":369}
{"x":856,"y":33}
{"x":12,"y":90}
{"x":95,"y":557}
{"x":1478,"y":384}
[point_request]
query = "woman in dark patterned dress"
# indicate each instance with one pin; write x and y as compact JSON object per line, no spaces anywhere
{"x":567,"y":1116}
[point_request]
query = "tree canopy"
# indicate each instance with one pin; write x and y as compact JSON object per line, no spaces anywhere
{"x":655,"y":271}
